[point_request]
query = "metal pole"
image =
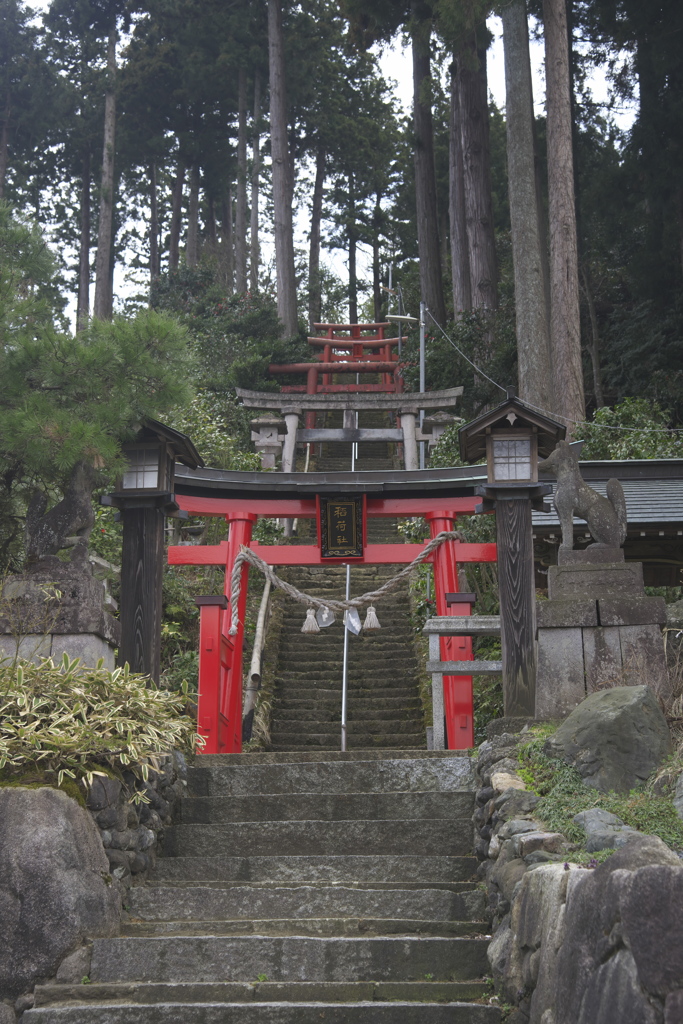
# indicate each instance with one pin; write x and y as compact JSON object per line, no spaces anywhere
{"x":423,"y":309}
{"x":345,"y":670}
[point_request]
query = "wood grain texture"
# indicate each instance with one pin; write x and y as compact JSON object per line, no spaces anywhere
{"x":517,"y":605}
{"x":141,"y":579}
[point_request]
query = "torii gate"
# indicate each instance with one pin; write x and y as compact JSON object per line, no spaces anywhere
{"x":242,"y":498}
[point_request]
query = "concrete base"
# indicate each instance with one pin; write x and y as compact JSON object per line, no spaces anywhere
{"x":86,"y":646}
{"x":74,"y":622}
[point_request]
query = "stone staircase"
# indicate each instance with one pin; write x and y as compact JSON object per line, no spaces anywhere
{"x":384,"y":708}
{"x":301,"y":889}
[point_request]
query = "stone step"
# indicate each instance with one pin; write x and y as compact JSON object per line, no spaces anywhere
{"x":146,"y":993}
{"x":345,"y":869}
{"x":326,"y":807}
{"x":307,"y":686}
{"x":370,"y":726}
{"x":426,"y":837}
{"x":285,"y":757}
{"x":407,"y":774}
{"x":274,"y":1012}
{"x":201,"y":903}
{"x":295,"y":958}
{"x":329,"y":741}
{"x":323,"y":927}
{"x":369,"y":704}
{"x":355,"y":712}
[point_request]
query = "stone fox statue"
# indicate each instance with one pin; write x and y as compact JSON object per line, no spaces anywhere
{"x":68,"y":523}
{"x":606,"y":517}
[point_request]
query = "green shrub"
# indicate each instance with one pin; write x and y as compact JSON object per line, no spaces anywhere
{"x":70,"y":720}
{"x":564,"y":794}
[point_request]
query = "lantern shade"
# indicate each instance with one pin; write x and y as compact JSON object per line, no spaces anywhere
{"x":511,"y":437}
{"x":151,"y":459}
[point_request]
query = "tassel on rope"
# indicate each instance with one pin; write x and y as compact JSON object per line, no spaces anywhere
{"x":310,"y":625}
{"x":371,"y":621}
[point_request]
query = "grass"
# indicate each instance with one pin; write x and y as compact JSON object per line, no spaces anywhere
{"x":564,"y":794}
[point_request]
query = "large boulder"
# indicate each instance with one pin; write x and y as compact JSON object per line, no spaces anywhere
{"x":614,"y":738}
{"x":55,"y":887}
{"x":596,"y":946}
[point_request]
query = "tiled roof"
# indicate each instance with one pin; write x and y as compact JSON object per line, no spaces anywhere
{"x":648,"y":501}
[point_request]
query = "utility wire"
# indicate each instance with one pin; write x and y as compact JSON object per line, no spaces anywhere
{"x":553,"y":415}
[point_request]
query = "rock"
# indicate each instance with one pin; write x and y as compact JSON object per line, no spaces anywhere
{"x":75,"y":967}
{"x":494,"y":848}
{"x":609,"y":839}
{"x":53,"y":888}
{"x":673,"y":1008}
{"x":541,"y":857}
{"x":614,"y":738}
{"x":515,"y":826}
{"x":484,"y":795}
{"x":502,"y":781}
{"x":651,"y":905}
{"x":507,"y":874}
{"x":678,"y":796}
{"x":119,"y":864}
{"x":604,"y":830}
{"x":24,"y":1002}
{"x":7,"y":1014}
{"x":515,"y":803}
{"x":613,"y":993}
{"x":498,"y":952}
{"x":528,"y":842}
{"x":104,"y":792}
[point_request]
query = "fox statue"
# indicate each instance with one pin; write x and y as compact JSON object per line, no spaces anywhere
{"x":606,"y":517}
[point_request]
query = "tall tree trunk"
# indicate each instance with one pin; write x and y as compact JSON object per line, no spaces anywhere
{"x":595,"y":338}
{"x":176,"y":216}
{"x":103,"y":260}
{"x":254,"y":256}
{"x":192,"y":244}
{"x":153,"y":224}
{"x":376,"y":275}
{"x":211,"y":222}
{"x":531,"y":307}
{"x":353,"y":243}
{"x":460,"y":260}
{"x":477,"y":173}
{"x":241,"y":205}
{"x":282,"y":186}
{"x":83,"y":302}
{"x":314,"y":288}
{"x":4,"y":143}
{"x":431,"y":283}
{"x":565,"y":323}
{"x":228,"y":242}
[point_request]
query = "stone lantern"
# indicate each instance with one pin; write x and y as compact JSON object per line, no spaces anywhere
{"x":268,"y":435}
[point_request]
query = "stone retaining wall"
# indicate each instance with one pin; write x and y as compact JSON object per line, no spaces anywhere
{"x":575,"y":945}
{"x":131,"y":832}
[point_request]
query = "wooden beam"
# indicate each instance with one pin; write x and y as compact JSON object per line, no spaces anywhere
{"x":309,"y":554}
{"x":466,"y":668}
{"x":463,"y":625}
{"x":304,"y":508}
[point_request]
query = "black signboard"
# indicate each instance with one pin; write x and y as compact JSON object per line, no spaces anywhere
{"x":341,"y":527}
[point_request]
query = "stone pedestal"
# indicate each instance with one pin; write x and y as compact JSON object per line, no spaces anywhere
{"x":37,"y":624}
{"x":597,"y":629}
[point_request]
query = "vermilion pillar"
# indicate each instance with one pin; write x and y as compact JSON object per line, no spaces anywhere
{"x":457,"y":690}
{"x":230,"y":699}
{"x":210,"y":672}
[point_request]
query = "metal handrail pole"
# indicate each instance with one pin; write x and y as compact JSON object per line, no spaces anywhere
{"x":345,"y":669}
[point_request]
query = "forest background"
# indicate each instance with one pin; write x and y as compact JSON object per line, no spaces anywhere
{"x":169,"y":137}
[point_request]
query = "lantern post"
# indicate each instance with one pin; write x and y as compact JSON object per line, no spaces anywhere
{"x":144,"y":495}
{"x":511,"y":436}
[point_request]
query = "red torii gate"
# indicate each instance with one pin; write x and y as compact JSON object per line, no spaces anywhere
{"x":220,"y":655}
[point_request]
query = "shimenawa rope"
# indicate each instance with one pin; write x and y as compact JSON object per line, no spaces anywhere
{"x":246,"y":555}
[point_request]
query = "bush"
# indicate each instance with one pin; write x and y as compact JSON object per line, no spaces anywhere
{"x":71,"y":720}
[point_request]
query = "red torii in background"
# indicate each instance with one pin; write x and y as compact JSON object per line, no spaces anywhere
{"x":220,"y":655}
